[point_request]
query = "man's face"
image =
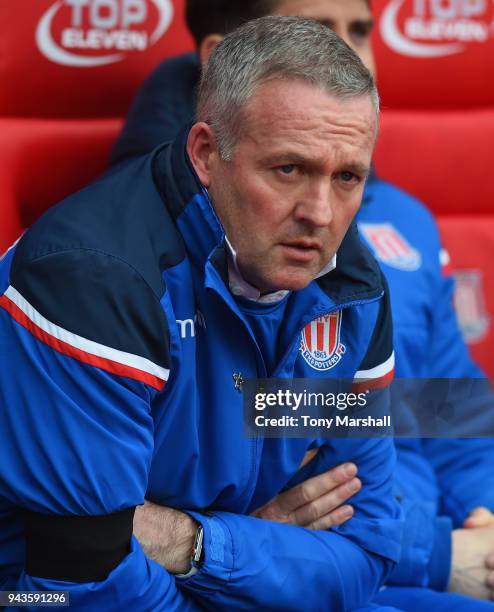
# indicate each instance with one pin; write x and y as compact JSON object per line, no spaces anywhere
{"x":350,"y":19}
{"x":295,"y":181}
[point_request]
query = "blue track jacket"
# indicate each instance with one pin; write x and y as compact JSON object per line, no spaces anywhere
{"x":119,"y":339}
{"x":446,"y":476}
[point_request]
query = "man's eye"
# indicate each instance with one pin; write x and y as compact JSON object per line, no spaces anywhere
{"x":361,"y":31}
{"x":287,"y":168}
{"x":347,"y":177}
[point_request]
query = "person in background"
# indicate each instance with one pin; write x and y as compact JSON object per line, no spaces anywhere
{"x":445,"y":486}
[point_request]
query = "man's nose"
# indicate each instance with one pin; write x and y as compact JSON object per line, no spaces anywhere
{"x":315,"y":206}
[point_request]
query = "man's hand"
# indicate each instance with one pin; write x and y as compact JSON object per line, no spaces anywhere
{"x":479,"y":517}
{"x":473,"y":562}
{"x":317,"y":502}
{"x":166,"y":536}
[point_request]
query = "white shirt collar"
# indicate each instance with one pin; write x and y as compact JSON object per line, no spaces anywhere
{"x":240,"y":287}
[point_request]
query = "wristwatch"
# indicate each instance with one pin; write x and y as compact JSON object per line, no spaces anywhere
{"x":197,"y":556}
{"x":198,"y":550}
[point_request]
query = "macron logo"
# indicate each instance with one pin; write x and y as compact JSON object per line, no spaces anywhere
{"x":188,"y":326}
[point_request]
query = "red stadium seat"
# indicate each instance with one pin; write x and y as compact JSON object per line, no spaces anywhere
{"x":69,"y":70}
{"x":435,"y":61}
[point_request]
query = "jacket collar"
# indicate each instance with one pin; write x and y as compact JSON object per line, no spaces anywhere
{"x":187,"y":200}
{"x":356,"y":277}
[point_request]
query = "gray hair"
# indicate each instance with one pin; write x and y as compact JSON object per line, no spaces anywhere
{"x":270,"y":48}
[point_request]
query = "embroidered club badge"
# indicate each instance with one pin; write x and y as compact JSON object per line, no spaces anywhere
{"x":320,"y":344}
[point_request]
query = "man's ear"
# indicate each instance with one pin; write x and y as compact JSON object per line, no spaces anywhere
{"x":207,"y":46}
{"x":202,"y":150}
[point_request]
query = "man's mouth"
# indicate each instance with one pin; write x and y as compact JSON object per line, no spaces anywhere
{"x":304,"y":250}
{"x":304,"y":243}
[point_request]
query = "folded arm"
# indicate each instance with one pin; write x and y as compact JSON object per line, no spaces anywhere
{"x":77,"y":433}
{"x":257,"y":563}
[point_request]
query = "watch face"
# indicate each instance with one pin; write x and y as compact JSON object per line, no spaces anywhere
{"x":197,"y":555}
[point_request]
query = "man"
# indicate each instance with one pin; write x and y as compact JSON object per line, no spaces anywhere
{"x":132,"y":313}
{"x":452,"y":476}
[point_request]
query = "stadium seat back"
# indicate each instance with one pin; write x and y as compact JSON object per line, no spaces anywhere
{"x":435,"y":60}
{"x":68,"y":72}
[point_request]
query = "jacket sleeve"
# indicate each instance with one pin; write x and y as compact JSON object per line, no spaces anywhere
{"x":79,"y":367}
{"x":463,"y":466}
{"x":256,"y":564}
{"x":425,"y":559}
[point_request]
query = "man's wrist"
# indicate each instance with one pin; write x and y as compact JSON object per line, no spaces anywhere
{"x":166,"y":535}
{"x":197,"y":556}
{"x":217,"y":562}
{"x":184,"y":545}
